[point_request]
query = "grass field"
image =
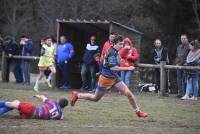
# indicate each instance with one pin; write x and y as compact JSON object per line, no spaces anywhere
{"x":111,"y":115}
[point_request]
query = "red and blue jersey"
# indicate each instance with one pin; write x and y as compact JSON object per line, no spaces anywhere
{"x":50,"y":110}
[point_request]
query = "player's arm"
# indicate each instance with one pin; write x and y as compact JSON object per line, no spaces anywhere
{"x":40,"y":97}
{"x":117,"y":68}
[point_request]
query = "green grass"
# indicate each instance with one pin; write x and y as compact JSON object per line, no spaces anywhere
{"x":111,"y":115}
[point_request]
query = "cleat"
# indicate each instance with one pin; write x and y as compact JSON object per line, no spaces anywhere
{"x":74,"y":98}
{"x":49,"y":84}
{"x":36,"y":89}
{"x":141,"y":114}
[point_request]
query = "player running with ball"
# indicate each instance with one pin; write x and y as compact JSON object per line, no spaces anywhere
{"x":109,"y":77}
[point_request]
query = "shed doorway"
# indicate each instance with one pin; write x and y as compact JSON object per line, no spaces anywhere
{"x":79,"y":35}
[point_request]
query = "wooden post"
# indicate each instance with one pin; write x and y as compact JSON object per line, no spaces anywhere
{"x":56,"y":77}
{"x":162,"y":78}
{"x":4,"y":68}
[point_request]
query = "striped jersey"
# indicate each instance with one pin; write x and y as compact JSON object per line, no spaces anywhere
{"x":50,"y":110}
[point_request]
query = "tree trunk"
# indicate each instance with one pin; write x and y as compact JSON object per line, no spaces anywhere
{"x":195,"y":9}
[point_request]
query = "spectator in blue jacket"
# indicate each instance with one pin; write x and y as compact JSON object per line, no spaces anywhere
{"x":27,"y":50}
{"x":65,"y":52}
{"x":89,"y":64}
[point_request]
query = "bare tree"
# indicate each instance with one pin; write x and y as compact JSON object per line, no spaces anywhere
{"x":17,"y":16}
{"x":195,"y":6}
{"x":49,"y":11}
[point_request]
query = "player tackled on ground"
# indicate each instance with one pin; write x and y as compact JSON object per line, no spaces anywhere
{"x":109,"y":77}
{"x":51,"y":109}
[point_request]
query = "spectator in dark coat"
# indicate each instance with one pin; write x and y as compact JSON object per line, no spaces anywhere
{"x":12,"y":48}
{"x":181,"y":54}
{"x":1,"y":44}
{"x":27,"y":50}
{"x":158,"y":54}
{"x":89,"y":64}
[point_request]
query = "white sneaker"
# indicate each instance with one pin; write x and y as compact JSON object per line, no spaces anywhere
{"x":185,"y":97}
{"x":193,"y":98}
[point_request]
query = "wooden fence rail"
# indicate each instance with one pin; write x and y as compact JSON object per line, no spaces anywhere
{"x":162,"y":66}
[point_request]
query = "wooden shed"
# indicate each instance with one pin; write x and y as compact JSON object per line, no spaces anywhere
{"x":79,"y":31}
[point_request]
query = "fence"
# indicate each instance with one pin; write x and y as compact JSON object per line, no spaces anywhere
{"x":162,"y":66}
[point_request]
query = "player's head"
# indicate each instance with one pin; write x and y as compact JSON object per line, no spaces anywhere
{"x":48,"y":40}
{"x":63,"y":102}
{"x":96,"y":57}
{"x":112,"y":36}
{"x":118,"y":42}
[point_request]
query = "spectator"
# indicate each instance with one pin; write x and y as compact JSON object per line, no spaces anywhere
{"x":46,"y":62}
{"x":65,"y":52}
{"x":128,"y":56}
{"x":27,"y":50}
{"x":158,"y":54}
{"x":12,"y":48}
{"x":89,"y":64}
{"x":107,"y":45}
{"x":98,"y":70}
{"x":181,"y":54}
{"x":193,"y":59}
{"x":1,"y":45}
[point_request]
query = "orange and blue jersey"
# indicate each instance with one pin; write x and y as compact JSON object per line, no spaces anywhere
{"x":111,"y":59}
{"x":50,"y":110}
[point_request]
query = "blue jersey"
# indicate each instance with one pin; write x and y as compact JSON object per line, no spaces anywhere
{"x":50,"y":110}
{"x":111,"y":59}
{"x":64,"y":52}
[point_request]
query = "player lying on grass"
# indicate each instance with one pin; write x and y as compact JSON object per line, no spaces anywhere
{"x":109,"y":77}
{"x":51,"y":109}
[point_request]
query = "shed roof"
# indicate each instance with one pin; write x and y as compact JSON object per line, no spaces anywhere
{"x":102,"y":24}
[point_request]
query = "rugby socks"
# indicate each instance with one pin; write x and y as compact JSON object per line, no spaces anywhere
{"x":2,"y":103}
{"x":137,"y":109}
{"x":49,"y":78}
{"x":5,"y":110}
{"x":37,"y":83}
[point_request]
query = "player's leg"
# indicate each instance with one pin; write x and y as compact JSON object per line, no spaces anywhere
{"x":87,"y":96}
{"x":8,"y":106}
{"x":132,"y":100}
{"x":103,"y":84}
{"x":14,"y":104}
{"x":40,"y":76}
{"x":5,"y":110}
{"x":124,"y":89}
{"x":53,"y":71}
{"x":92,"y":97}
